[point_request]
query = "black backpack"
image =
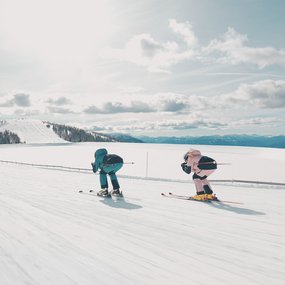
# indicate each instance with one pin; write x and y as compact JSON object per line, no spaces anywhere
{"x":112,"y":159}
{"x":206,"y":163}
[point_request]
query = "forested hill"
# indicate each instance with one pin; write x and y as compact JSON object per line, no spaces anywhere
{"x":36,"y":131}
{"x":73,"y":134}
{"x":7,"y":137}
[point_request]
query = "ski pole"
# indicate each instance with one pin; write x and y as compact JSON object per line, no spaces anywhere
{"x":107,"y":164}
{"x":214,"y":162}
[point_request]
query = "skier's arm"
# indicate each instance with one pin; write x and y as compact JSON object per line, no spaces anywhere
{"x":94,"y":167}
{"x":186,"y":168}
{"x":192,"y":162}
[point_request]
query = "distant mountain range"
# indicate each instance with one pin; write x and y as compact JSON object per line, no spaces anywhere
{"x":228,"y":140}
{"x":36,"y":131}
{"x":126,"y":138}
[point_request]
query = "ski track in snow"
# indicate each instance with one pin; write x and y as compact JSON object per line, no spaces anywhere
{"x":51,"y":234}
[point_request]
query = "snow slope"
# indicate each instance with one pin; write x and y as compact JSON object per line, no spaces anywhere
{"x":158,"y":161}
{"x":51,"y":234}
{"x":31,"y":131}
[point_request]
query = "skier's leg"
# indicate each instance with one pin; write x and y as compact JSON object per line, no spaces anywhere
{"x":206,"y":185}
{"x":198,"y":184}
{"x":114,"y":180}
{"x":103,"y":184}
{"x":103,"y":180}
{"x":199,"y":187}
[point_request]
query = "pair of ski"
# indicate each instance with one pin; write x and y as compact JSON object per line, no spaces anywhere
{"x":190,"y":198}
{"x":92,"y":192}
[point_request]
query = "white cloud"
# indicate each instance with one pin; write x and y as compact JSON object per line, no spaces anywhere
{"x":261,"y":94}
{"x":166,"y":125}
{"x":59,"y":110}
{"x":194,"y":123}
{"x":20,"y":100}
{"x":157,"y":103}
{"x":256,"y":121}
{"x":60,"y":101}
{"x":177,"y":103}
{"x":185,"y":30}
{"x":145,"y":51}
{"x":118,"y":107}
{"x":231,"y":49}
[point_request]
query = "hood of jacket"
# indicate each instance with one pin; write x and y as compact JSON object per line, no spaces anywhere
{"x":99,"y":156}
{"x":100,"y":153}
{"x":194,"y":152}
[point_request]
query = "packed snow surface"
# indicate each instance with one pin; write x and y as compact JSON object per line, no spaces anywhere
{"x":51,"y":234}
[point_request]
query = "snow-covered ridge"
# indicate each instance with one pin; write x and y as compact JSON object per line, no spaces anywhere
{"x":31,"y":131}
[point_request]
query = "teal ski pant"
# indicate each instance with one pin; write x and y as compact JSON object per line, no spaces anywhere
{"x":111,"y":171}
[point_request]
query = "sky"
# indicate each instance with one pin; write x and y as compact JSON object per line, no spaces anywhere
{"x":151,"y":67}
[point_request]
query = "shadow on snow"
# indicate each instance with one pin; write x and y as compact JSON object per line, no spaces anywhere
{"x":120,"y":203}
{"x":241,"y":211}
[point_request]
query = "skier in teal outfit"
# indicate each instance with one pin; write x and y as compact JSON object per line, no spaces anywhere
{"x":107,"y":164}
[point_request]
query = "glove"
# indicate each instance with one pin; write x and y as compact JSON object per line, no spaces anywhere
{"x":185,"y":168}
{"x":93,"y":167}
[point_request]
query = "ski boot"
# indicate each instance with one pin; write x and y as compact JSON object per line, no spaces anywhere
{"x":211,"y":197}
{"x":116,"y":193}
{"x":200,"y":197}
{"x":103,"y":193}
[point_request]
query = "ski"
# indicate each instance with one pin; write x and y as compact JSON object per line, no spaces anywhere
{"x":190,"y":198}
{"x":93,"y":193}
{"x":181,"y":197}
